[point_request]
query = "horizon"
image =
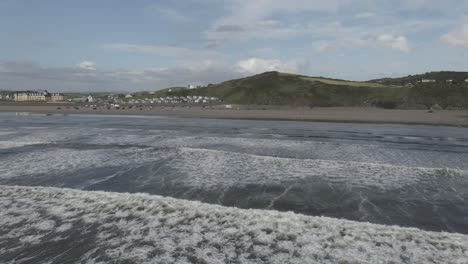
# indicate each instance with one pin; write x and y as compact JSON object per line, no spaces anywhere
{"x":181,"y":86}
{"x":110,"y":46}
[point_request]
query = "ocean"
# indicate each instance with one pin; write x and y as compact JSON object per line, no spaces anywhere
{"x":138,"y":189}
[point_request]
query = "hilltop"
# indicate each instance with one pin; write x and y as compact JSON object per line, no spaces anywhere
{"x":275,"y":88}
{"x":446,"y":89}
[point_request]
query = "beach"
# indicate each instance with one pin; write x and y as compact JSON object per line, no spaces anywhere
{"x":322,"y":114}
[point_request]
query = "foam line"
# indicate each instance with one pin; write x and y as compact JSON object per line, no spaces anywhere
{"x":39,"y":224}
{"x":211,"y":168}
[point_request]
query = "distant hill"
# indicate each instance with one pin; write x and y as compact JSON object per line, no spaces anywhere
{"x":275,"y":88}
{"x":442,"y":76}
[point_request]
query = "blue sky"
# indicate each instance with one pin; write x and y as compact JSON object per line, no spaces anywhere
{"x":129,"y":45}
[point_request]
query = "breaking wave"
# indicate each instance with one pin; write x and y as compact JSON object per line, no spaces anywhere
{"x":212,"y":168}
{"x":13,"y":144}
{"x":69,"y":226}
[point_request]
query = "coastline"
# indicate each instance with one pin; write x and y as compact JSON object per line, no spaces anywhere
{"x":457,"y":118}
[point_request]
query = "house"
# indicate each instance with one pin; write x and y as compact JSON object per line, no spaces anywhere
{"x":428,"y":81}
{"x":466,"y":80}
{"x":449,"y":81}
{"x":38,"y":96}
{"x":56,"y":97}
{"x":90,"y":99}
{"x":25,"y":96}
{"x":128,"y":96}
{"x":190,"y":86}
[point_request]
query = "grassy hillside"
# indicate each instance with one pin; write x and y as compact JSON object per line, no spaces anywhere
{"x":442,"y":76}
{"x":453,"y":93}
{"x":343,"y":82}
{"x":274,"y":88}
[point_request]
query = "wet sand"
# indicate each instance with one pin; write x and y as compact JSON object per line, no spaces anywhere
{"x":323,"y":114}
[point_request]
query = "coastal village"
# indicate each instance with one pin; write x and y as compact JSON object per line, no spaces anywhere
{"x":166,"y":97}
{"x":105,"y":100}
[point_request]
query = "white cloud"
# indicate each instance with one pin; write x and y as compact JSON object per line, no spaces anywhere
{"x":28,"y":75}
{"x":255,"y":65}
{"x":394,"y":42}
{"x":87,"y":65}
{"x":172,"y":14}
{"x":255,"y":18}
{"x":248,"y":11}
{"x":160,"y":50}
{"x":262,"y":52}
{"x":269,"y":23}
{"x":364,"y":15}
{"x":321,"y":46}
{"x":458,"y":37}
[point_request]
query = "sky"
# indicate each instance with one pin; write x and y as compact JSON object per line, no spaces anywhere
{"x":132,"y":45}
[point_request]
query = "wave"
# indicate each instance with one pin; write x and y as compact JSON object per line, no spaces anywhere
{"x":69,"y":226}
{"x":16,"y":144}
{"x":66,"y":160}
{"x":448,"y":154}
{"x":209,"y":168}
{"x":206,"y":168}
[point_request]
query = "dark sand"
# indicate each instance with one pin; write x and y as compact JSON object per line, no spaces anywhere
{"x":324,"y":114}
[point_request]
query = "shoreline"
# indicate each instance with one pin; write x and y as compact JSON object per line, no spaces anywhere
{"x":457,"y":118}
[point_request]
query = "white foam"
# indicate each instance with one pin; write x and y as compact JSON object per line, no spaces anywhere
{"x":206,"y":168}
{"x":45,"y":225}
{"x":210,"y":168}
{"x":55,"y":161}
{"x":16,"y":144}
{"x":339,"y":149}
{"x":153,"y":229}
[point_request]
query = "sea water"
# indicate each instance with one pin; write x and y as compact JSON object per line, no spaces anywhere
{"x":410,"y":176}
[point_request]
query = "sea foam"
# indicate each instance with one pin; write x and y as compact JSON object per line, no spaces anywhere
{"x":69,"y":226}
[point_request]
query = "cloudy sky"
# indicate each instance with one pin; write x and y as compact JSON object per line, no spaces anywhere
{"x":129,"y":45}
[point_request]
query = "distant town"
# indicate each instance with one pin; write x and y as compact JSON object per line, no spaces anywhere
{"x":105,"y":98}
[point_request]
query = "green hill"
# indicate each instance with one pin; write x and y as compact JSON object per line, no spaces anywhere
{"x":446,"y":88}
{"x":275,"y":88}
{"x":442,"y":76}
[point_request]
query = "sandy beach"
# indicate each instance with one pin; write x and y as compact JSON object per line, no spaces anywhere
{"x":323,"y":114}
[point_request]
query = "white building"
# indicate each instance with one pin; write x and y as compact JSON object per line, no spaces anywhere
{"x":90,"y":99}
{"x":190,"y":86}
{"x":56,"y":97}
{"x":427,"y":80}
{"x":30,"y":96}
{"x":128,"y":96}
